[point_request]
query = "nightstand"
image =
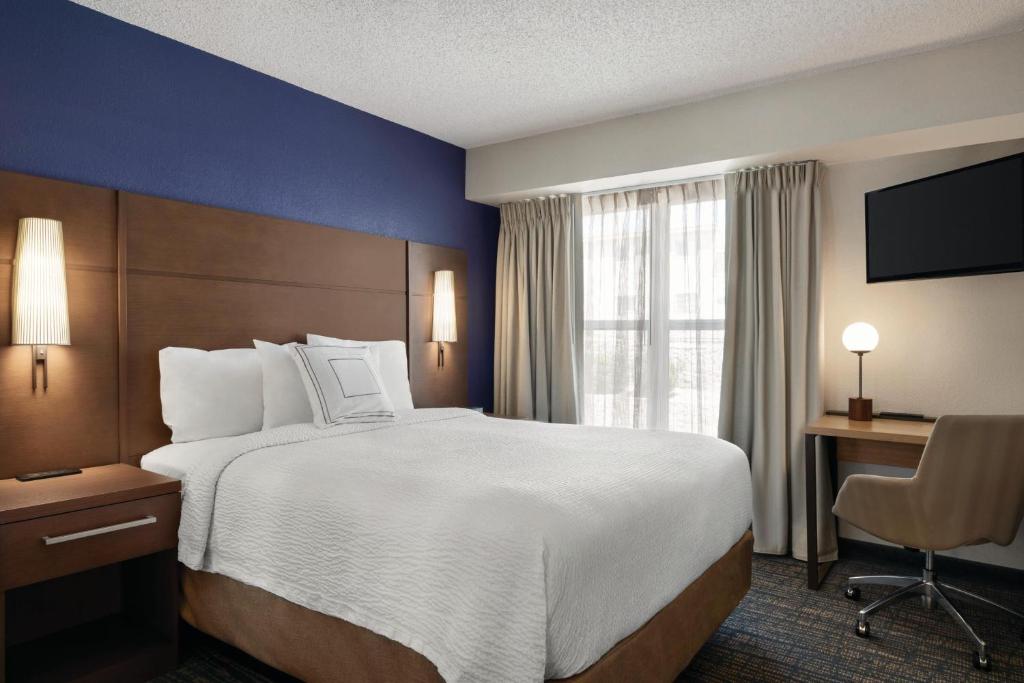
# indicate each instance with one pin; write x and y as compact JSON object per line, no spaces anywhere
{"x":88,"y":576}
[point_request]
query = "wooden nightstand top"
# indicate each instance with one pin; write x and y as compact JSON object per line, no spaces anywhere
{"x":94,"y":487}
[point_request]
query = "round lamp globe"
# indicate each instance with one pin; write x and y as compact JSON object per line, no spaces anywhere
{"x":860,"y":337}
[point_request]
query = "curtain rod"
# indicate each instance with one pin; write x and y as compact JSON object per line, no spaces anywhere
{"x":666,"y":183}
{"x":683,"y":181}
{"x":650,"y":186}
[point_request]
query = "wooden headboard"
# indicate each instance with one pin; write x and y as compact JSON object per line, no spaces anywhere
{"x":145,"y":273}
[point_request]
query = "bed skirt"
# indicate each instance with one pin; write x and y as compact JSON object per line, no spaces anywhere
{"x":316,"y":647}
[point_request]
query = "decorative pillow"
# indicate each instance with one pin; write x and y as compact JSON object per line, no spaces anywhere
{"x":343,"y":385}
{"x":206,"y":394}
{"x":391,"y":360}
{"x":284,"y":394}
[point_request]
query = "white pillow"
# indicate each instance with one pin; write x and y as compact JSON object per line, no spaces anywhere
{"x":206,"y":394}
{"x":284,"y":394}
{"x":391,"y":361}
{"x":343,"y":384}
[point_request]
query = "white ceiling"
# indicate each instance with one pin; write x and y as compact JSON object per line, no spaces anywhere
{"x":476,"y":72}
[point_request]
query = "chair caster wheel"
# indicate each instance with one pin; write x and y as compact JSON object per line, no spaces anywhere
{"x":864,"y":630}
{"x":982,"y":664}
{"x":853,"y":593}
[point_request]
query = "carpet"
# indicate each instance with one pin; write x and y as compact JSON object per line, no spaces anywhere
{"x":784,"y":632}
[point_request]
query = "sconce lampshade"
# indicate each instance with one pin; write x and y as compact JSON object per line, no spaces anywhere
{"x":444,"y":307}
{"x":860,"y":338}
{"x":40,"y":293}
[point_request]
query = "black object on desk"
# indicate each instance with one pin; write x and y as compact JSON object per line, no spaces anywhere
{"x":33,"y":476}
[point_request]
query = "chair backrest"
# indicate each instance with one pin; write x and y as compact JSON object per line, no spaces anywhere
{"x":971,"y":479}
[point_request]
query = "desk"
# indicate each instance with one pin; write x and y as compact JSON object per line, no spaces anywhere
{"x":897,"y":443}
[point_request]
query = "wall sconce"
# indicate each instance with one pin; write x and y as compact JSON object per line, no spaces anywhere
{"x":860,"y":338}
{"x":444,"y":312}
{"x":39,"y":313}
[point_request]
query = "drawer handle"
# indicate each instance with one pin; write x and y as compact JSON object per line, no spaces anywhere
{"x":54,"y":540}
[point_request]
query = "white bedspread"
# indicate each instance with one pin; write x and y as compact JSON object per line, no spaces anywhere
{"x":501,"y":550}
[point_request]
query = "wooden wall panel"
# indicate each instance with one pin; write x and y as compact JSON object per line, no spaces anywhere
{"x":171,"y":236}
{"x":424,"y":259}
{"x":73,"y":423}
{"x":433,"y":386}
{"x":89,"y":215}
{"x":208,"y":278}
{"x":218,"y":314}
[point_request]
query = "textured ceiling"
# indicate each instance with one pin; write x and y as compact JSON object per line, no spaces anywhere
{"x":475,"y":72}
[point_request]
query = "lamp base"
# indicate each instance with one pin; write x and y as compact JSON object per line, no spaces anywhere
{"x":860,"y":409}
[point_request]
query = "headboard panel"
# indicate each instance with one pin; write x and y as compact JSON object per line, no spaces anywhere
{"x":144,"y":273}
{"x":211,"y":278}
{"x":166,"y":236}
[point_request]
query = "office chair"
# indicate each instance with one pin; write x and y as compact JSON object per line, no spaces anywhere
{"x":968,"y":489}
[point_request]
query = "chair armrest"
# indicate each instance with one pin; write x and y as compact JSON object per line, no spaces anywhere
{"x":885,"y":507}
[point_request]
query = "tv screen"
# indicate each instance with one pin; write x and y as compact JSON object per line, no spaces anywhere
{"x":965,"y":222}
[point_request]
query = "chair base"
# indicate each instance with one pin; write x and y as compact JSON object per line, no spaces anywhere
{"x":932,"y":592}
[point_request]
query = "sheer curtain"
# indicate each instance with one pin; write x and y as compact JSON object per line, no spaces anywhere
{"x":654,"y":306}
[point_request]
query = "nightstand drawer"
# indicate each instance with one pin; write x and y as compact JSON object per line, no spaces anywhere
{"x":48,"y":547}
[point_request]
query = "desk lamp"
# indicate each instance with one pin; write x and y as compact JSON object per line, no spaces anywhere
{"x":860,"y":338}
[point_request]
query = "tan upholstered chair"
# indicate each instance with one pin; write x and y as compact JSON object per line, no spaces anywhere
{"x":968,"y":489}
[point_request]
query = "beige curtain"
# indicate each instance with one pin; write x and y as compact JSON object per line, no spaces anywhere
{"x":771,"y":371}
{"x":534,"y":329}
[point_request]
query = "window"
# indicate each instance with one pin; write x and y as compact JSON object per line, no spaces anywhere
{"x":654,"y":307}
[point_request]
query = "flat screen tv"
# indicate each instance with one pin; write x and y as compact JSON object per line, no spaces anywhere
{"x":964,"y":222}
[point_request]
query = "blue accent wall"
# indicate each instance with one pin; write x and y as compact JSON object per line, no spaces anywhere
{"x":90,"y":99}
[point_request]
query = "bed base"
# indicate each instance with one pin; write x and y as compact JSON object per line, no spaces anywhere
{"x":316,"y":647}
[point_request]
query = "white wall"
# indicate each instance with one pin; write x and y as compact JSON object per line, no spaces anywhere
{"x":975,"y":81}
{"x":952,"y":345}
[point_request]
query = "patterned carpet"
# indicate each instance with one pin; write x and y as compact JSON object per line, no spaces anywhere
{"x":784,"y":632}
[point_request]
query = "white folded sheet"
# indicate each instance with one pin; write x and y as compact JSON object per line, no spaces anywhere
{"x":499,"y":549}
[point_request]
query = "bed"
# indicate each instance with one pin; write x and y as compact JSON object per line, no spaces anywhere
{"x":513,"y":550}
{"x":444,"y":545}
{"x":457,"y":546}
